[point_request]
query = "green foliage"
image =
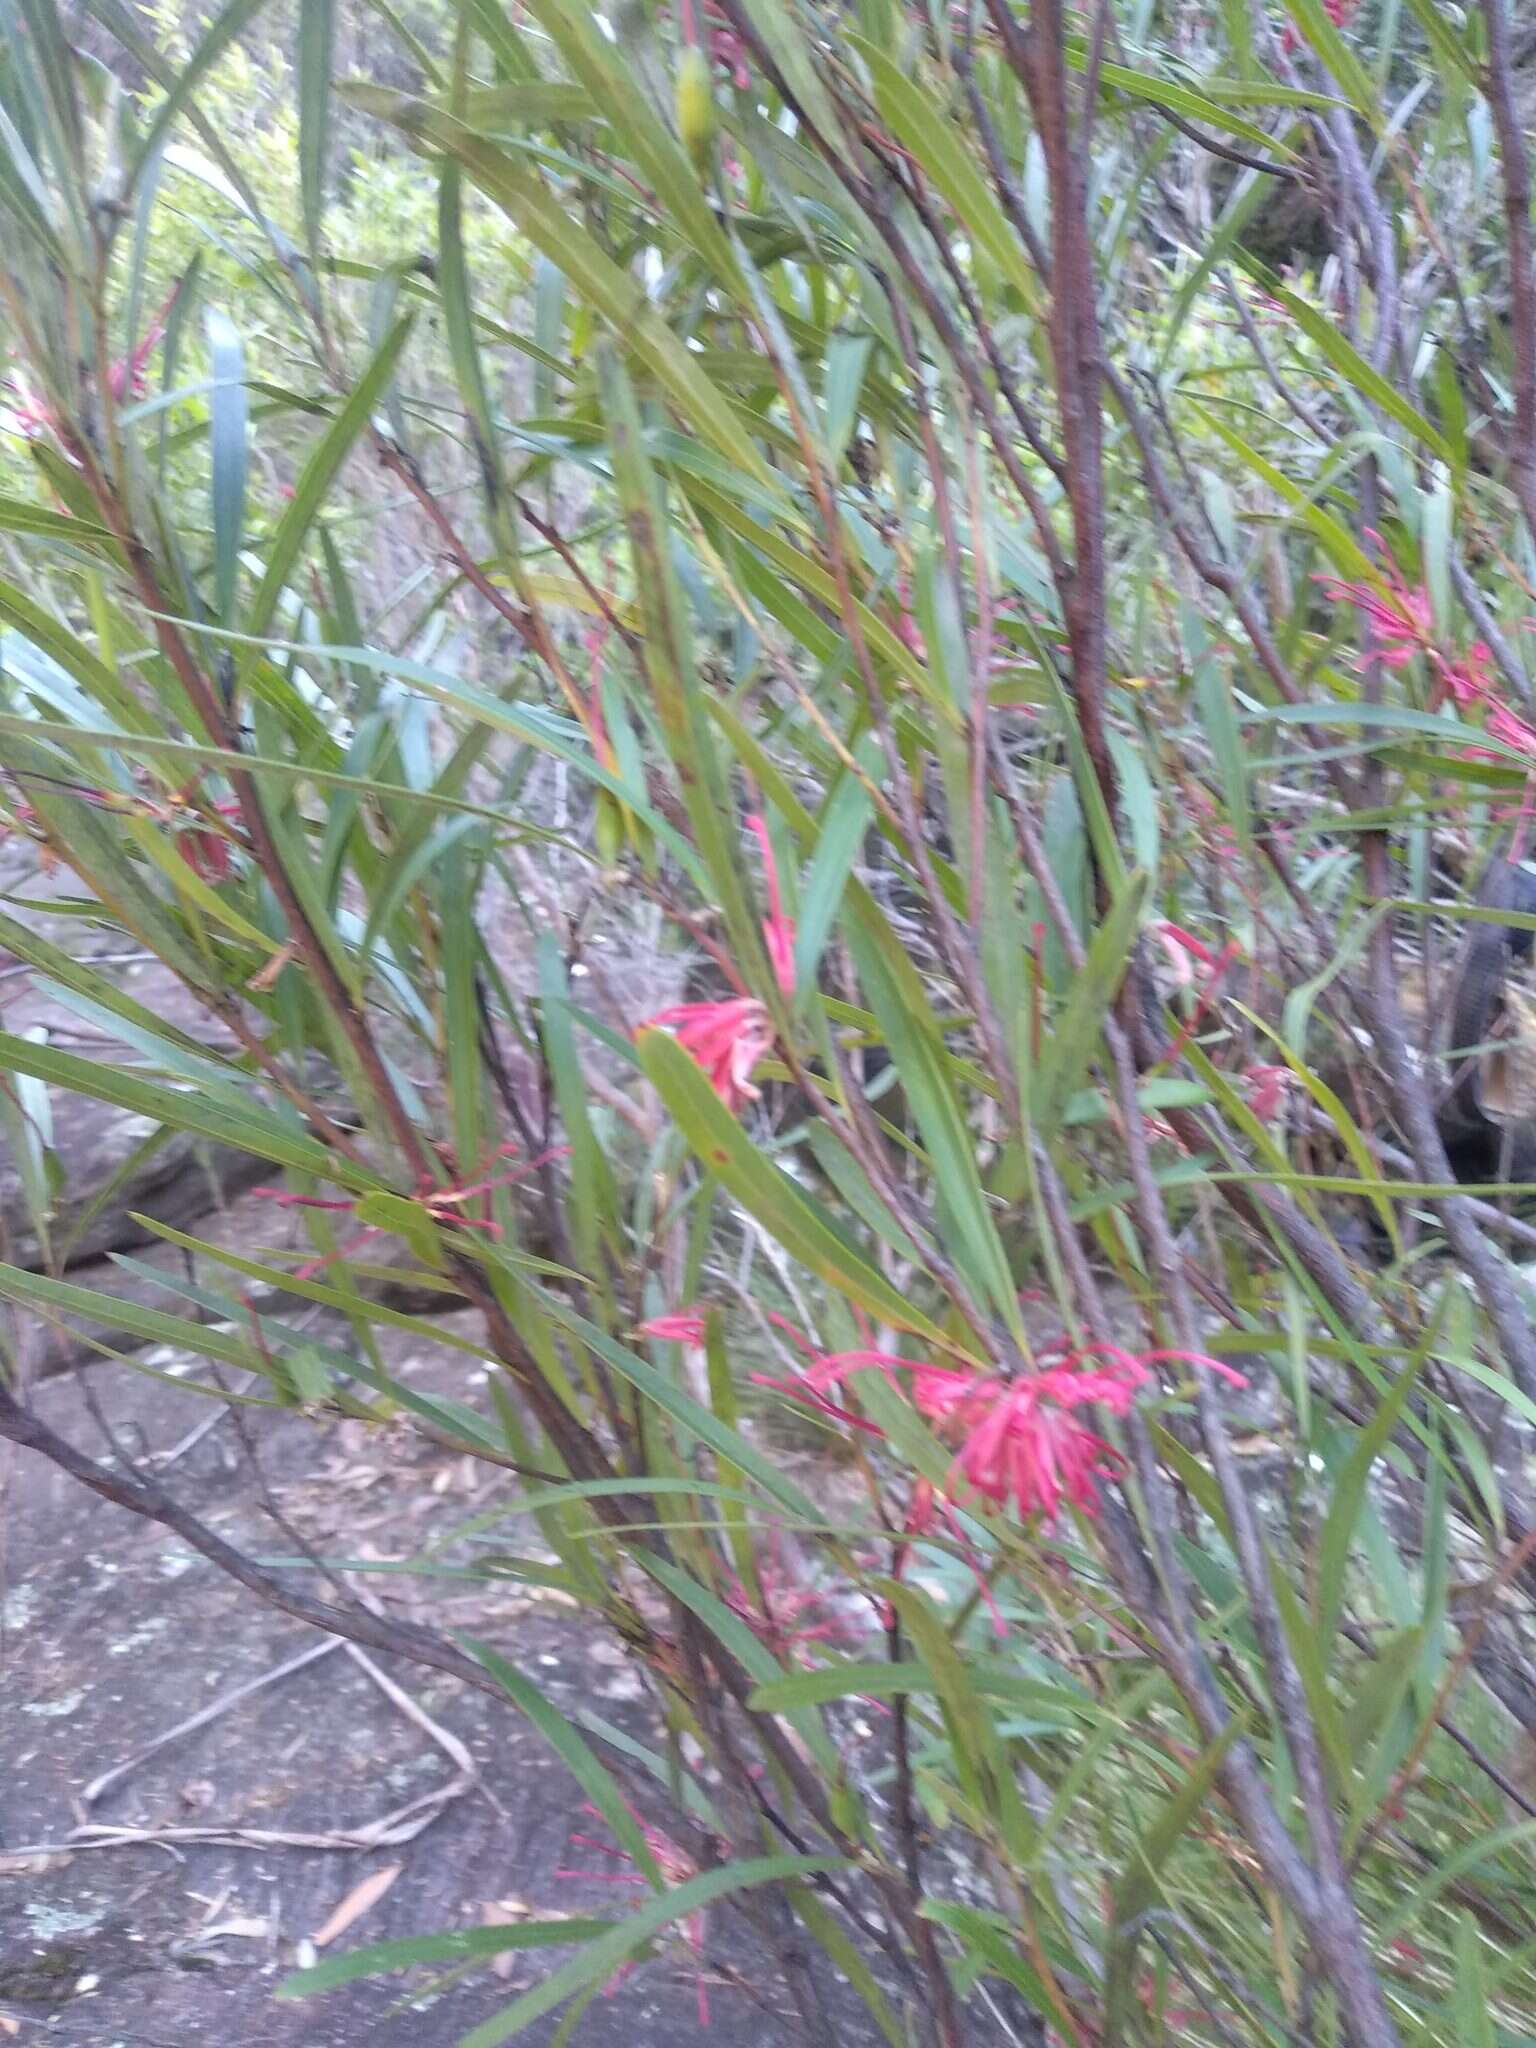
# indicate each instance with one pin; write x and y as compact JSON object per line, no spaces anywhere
{"x":532,"y":526}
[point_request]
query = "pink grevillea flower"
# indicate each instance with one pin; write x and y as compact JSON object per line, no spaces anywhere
{"x":1021,"y":1440}
{"x":1337,"y":11}
{"x":788,"y":1614}
{"x":126,"y":377}
{"x":1018,"y":1440}
{"x":1403,"y":617}
{"x":827,"y":1369}
{"x":1178,"y":944}
{"x":1510,"y":729}
{"x":727,"y":1040}
{"x":726,"y":47}
{"x":1267,"y":1088}
{"x":1466,"y":681}
{"x":778,"y":930}
{"x":1404,"y":622}
{"x":682,"y":1326}
{"x":675,"y":1865}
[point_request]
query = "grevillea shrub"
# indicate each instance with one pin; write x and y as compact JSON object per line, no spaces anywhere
{"x":812,"y":700}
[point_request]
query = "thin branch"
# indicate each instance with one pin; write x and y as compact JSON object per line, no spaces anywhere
{"x":143,"y":1495}
{"x":1509,"y":126}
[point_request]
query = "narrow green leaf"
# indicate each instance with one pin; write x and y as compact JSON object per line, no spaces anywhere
{"x":319,"y":472}
{"x":282,"y":1281}
{"x":1348,"y":361}
{"x":459,"y":1944}
{"x":911,"y":1032}
{"x":868,"y":1678}
{"x":1213,"y":693}
{"x":594,"y":1198}
{"x":620,"y":299}
{"x":931,"y":133}
{"x":598,"y":1962}
{"x":533,"y":103}
{"x":317,"y":37}
{"x":1338,"y":1533}
{"x":1338,"y":59}
{"x":1450,"y":48}
{"x":771,"y":1196}
{"x":1346,"y":555}
{"x":187,"y":1109}
{"x":737,"y":1636}
{"x":1141,"y":1881}
{"x":578,"y":1756}
{"x":1074,"y":1035}
{"x":20,"y":515}
{"x":664,"y":1393}
{"x":227,"y":433}
{"x":1470,"y":2015}
{"x":1194,"y":106}
{"x":115,"y":1312}
{"x":602,"y":68}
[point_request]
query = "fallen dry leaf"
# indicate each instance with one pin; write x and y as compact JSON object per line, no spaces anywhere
{"x":503,"y":1913}
{"x":9,"y":2026}
{"x":1509,"y":1069}
{"x":358,"y":1901}
{"x":244,"y":1927}
{"x":264,"y":977}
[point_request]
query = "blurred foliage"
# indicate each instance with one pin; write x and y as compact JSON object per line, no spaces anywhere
{"x":799,"y":692}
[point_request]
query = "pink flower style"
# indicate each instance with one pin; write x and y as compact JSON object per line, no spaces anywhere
{"x":726,"y":47}
{"x":1267,"y":1088}
{"x":778,"y":930}
{"x":787,"y":1614}
{"x":675,"y":1865}
{"x":126,"y":377}
{"x":728,"y":1038}
{"x":1402,"y":617}
{"x":680,"y":1326}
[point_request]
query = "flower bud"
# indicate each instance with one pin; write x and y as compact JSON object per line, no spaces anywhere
{"x":696,"y":106}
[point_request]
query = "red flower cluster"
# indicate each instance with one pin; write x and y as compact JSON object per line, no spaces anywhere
{"x":726,"y":47}
{"x":1404,"y":626}
{"x":786,"y":1613}
{"x":1019,"y":1440}
{"x":1337,"y":11}
{"x":728,"y":1038}
{"x":1023,"y":1439}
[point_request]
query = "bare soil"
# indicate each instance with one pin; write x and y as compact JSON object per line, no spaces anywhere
{"x":114,"y":1633}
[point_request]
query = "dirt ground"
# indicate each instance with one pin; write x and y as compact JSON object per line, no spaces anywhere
{"x":114,"y":1633}
{"x":329,"y":1781}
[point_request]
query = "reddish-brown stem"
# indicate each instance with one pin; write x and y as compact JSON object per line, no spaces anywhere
{"x":1509,"y":126}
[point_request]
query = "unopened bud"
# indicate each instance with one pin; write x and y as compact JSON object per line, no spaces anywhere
{"x":696,"y":106}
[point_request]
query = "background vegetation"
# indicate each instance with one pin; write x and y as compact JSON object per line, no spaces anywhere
{"x":973,"y":565}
